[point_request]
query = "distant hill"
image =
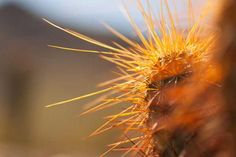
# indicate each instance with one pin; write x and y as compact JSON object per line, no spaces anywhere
{"x":33,"y":75}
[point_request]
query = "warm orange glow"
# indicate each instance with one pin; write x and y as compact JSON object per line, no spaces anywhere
{"x":144,"y":67}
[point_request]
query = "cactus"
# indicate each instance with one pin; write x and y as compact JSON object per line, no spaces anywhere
{"x":172,"y":80}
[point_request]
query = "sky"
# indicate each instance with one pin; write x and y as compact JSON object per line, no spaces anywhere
{"x":82,"y":13}
{"x":87,"y":14}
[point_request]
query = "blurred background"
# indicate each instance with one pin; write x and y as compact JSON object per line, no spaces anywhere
{"x":33,"y":75}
